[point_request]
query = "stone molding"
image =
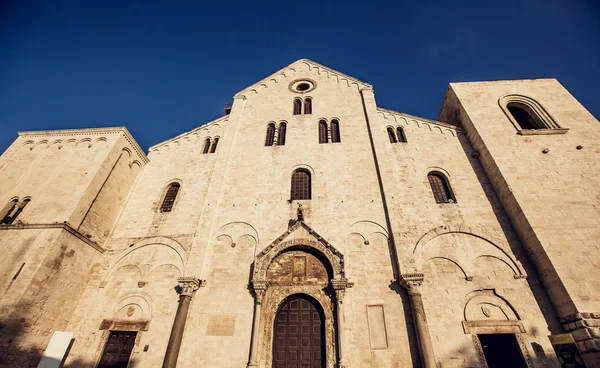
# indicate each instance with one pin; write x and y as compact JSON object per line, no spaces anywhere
{"x":412,"y":282}
{"x":188,"y":285}
{"x":56,"y":225}
{"x":406,"y":119}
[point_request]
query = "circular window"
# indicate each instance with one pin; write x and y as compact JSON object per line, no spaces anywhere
{"x":302,"y":85}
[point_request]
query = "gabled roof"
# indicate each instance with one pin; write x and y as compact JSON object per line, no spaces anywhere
{"x":311,"y":65}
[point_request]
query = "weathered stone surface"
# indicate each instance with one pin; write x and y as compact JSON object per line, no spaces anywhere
{"x":517,"y":251}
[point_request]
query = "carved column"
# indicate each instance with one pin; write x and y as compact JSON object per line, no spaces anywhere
{"x":260,"y":287}
{"x":186,"y":288}
{"x":340,"y":285}
{"x":412,"y":282}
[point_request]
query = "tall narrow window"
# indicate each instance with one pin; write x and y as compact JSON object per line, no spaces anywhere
{"x":391,"y":135}
{"x":401,"y":135}
{"x":281,"y":135}
{"x":524,"y":117}
{"x":308,"y":106}
{"x":270,"y":135}
{"x":206,"y":145}
{"x":322,"y":131}
{"x":170,"y":196}
{"x":440,"y":188}
{"x":300,"y":185}
{"x":335,"y":131}
{"x":7,"y":212}
{"x":297,"y":106}
{"x":213,"y":148}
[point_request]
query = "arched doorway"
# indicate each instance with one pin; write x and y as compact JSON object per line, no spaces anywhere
{"x":299,"y":334}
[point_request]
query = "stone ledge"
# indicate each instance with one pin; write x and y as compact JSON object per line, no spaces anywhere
{"x":64,"y":225}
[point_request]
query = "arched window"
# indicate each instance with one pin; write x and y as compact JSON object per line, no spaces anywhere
{"x":213,"y":148}
{"x":440,"y":188}
{"x":401,"y":135}
{"x":335,"y":131}
{"x":526,"y":119}
{"x":322,"y":131}
{"x":14,"y":209}
{"x":7,"y":211}
{"x":300,"y":184}
{"x":391,"y":135}
{"x":270,"y":135}
{"x":281,"y":135}
{"x":170,"y":196}
{"x":206,"y":145}
{"x":308,"y":106}
{"x":297,"y":106}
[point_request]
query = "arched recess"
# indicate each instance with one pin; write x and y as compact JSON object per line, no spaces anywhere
{"x":484,"y":311}
{"x":132,"y":313}
{"x":462,"y":246}
{"x":173,"y":253}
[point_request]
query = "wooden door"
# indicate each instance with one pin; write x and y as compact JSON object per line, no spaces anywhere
{"x":118,"y":349}
{"x":299,"y":336}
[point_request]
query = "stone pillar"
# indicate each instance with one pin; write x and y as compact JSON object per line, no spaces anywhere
{"x":260,"y":287}
{"x":340,"y":285}
{"x":186,"y":288}
{"x":412,"y":282}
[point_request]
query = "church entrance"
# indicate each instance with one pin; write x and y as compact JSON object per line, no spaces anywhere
{"x":299,"y":337}
{"x":118,"y":349}
{"x":502,"y":350}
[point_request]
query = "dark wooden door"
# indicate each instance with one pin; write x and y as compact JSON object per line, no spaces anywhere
{"x":118,"y":349}
{"x":299,"y":335}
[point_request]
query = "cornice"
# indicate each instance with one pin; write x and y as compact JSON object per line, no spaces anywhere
{"x":408,"y":116}
{"x":88,"y":132}
{"x":55,"y":225}
{"x":312,"y":65}
{"x":203,"y":126}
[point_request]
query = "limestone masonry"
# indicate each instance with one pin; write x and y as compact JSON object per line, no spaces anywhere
{"x":308,"y":227}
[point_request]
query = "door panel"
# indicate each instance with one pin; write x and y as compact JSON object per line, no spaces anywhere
{"x":299,"y":335}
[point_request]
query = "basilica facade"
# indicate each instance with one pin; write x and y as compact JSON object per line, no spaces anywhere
{"x":309,"y":227}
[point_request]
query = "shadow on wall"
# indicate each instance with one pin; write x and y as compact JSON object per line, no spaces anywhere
{"x":516,"y":247}
{"x":16,"y":350}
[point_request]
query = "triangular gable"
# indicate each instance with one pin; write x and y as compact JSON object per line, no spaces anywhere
{"x":286,"y":71}
{"x":298,"y":235}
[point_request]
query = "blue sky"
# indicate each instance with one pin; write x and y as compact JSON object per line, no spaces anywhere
{"x":163,"y":68}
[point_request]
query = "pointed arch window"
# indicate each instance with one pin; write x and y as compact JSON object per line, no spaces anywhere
{"x":308,"y":106}
{"x":206,"y":145}
{"x":213,"y":148}
{"x":281,"y":134}
{"x":270,"y":135}
{"x":322,"y":131}
{"x":440,"y":188}
{"x":391,"y":135}
{"x":335,"y":131}
{"x":301,"y":185}
{"x":169,"y":198}
{"x":297,"y":106}
{"x":401,"y":135}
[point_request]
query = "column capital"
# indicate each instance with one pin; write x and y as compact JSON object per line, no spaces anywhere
{"x":260,"y":287}
{"x":187,"y":285}
{"x":412,"y":282}
{"x":340,"y":284}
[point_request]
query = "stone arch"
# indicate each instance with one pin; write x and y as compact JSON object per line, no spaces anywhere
{"x":484,"y":311}
{"x":332,"y":256}
{"x":144,"y":301}
{"x":467,"y":277}
{"x":159,"y":240}
{"x":420,"y":251}
{"x":237,"y":229}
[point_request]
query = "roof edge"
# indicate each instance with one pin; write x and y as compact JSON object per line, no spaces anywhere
{"x":445,"y":125}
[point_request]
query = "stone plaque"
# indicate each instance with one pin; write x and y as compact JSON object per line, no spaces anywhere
{"x":377,"y":330}
{"x":221,"y":325}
